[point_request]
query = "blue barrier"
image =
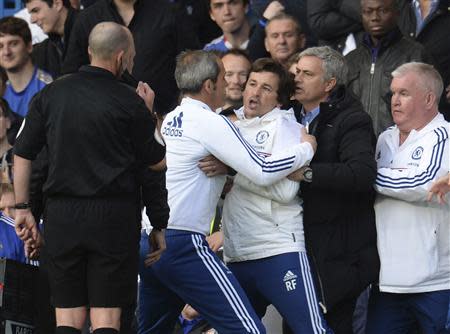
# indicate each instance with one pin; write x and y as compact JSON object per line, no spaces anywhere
{"x":9,"y":7}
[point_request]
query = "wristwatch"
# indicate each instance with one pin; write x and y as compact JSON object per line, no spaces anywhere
{"x":22,"y":206}
{"x":307,"y":175}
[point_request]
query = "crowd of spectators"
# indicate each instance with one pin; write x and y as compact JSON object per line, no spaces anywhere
{"x":346,"y":87}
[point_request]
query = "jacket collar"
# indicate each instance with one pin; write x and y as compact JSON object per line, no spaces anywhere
{"x":97,"y":71}
{"x":390,"y":39}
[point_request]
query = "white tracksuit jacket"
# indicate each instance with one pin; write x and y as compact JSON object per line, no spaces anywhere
{"x":413,"y":234}
{"x":262,"y":221}
{"x":191,"y":132}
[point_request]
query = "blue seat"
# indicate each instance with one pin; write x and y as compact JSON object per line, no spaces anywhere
{"x":9,"y":7}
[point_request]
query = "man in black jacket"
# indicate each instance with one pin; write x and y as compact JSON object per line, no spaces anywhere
{"x":92,"y":209}
{"x":428,"y":23}
{"x":336,"y":23}
{"x":55,"y":18}
{"x":337,"y":191}
{"x":383,"y":49}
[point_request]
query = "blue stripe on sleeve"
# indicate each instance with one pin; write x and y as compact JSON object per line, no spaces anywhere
{"x":426,"y":176}
{"x":268,"y":166}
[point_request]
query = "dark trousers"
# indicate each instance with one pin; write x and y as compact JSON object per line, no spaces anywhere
{"x":339,"y":319}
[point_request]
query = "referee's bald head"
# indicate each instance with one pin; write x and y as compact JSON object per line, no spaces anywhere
{"x":109,"y":38}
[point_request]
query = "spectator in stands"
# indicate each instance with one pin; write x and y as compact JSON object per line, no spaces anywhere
{"x":237,"y":66}
{"x":383,"y":49}
{"x":37,"y":35}
{"x":428,"y":23}
{"x":284,"y":37}
{"x":336,"y":23}
{"x":337,"y":187}
{"x":413,"y":233}
{"x":296,"y":8}
{"x":230,"y":16}
{"x":158,"y":36}
{"x":11,"y":247}
{"x":55,"y":18}
{"x":24,"y":79}
{"x":285,"y":33}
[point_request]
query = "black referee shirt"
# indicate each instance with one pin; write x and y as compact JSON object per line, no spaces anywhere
{"x":97,"y":130}
{"x":160,"y":33}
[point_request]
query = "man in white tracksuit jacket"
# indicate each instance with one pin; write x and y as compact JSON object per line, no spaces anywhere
{"x":188,"y":271}
{"x":264,"y":244}
{"x":413,"y":233}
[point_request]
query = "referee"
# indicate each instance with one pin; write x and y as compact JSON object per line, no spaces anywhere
{"x":99,"y":134}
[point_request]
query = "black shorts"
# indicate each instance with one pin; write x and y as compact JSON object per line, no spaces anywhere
{"x":92,"y":247}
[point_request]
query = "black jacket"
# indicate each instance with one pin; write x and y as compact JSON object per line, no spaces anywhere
{"x":435,"y":37}
{"x":91,"y":154}
{"x":339,"y":218}
{"x":370,"y":76}
{"x":333,"y":20}
{"x":49,"y":54}
{"x":159,"y":36}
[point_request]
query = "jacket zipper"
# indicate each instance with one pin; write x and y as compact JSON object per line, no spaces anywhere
{"x":372,"y":72}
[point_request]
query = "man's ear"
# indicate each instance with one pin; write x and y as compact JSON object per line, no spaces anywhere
{"x":430,"y":100}
{"x":266,"y":44}
{"x":30,"y":48}
{"x":209,"y":86}
{"x":119,"y":56}
{"x":58,"y":4}
{"x":212,"y":16}
{"x":330,"y":85}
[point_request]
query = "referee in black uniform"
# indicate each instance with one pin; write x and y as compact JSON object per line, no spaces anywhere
{"x":98,"y":133}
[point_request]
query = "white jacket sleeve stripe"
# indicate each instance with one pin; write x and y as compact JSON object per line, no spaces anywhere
{"x":424,"y":177}
{"x":286,"y":162}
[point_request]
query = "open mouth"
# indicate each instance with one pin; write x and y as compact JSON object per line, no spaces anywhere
{"x":253,"y":103}
{"x":376,"y":28}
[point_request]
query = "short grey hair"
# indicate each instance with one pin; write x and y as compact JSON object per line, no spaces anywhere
{"x":333,"y":63}
{"x":194,"y":68}
{"x":430,"y":79}
{"x":108,"y":38}
{"x":283,"y":16}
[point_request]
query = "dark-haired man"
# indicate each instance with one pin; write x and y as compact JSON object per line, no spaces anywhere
{"x":264,"y":244}
{"x":24,"y":79}
{"x":55,"y":18}
{"x":383,"y":49}
{"x":230,"y":16}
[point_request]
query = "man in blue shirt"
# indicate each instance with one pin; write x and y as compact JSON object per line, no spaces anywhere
{"x":230,"y":16}
{"x":24,"y":79}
